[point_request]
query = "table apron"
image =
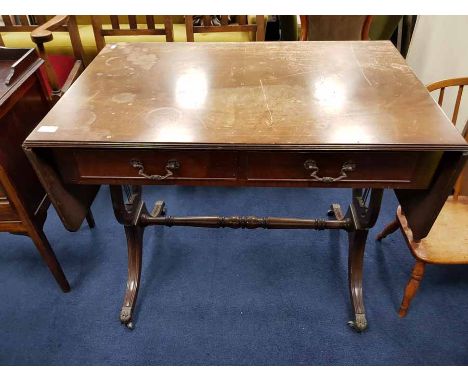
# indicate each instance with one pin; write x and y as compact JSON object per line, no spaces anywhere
{"x":331,"y":169}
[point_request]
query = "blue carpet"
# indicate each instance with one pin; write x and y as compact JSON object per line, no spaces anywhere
{"x":226,"y":297}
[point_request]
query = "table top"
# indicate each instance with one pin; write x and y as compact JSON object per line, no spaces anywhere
{"x":265,"y":95}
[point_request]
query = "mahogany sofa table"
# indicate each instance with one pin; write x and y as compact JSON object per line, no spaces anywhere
{"x":289,"y":114}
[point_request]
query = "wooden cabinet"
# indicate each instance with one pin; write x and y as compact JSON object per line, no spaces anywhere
{"x":23,"y":201}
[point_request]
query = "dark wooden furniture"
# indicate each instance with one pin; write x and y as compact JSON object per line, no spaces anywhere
{"x":59,"y":70}
{"x":335,"y":28}
{"x":131,"y":28}
{"x":249,"y":114}
{"x":241,"y":25}
{"x":23,"y":103}
{"x":447,"y":242}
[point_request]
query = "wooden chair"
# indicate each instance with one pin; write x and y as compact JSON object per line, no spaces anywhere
{"x":241,"y":25}
{"x":335,"y":28}
{"x":20,"y":23}
{"x":447,"y":242}
{"x":116,"y":28}
{"x":59,"y":70}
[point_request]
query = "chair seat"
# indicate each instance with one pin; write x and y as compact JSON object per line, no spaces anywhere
{"x":62,"y":66}
{"x":447,"y":242}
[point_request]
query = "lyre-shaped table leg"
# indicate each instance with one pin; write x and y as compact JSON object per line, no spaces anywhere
{"x":364,"y":216}
{"x":130,"y":213}
{"x":357,"y":244}
{"x":135,"y":247}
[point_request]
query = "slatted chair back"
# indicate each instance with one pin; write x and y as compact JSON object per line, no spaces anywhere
{"x":19,"y":23}
{"x":461,"y":187}
{"x":241,"y":25}
{"x":43,"y":33}
{"x":40,"y":24}
{"x":132,"y":28}
{"x":441,"y":86}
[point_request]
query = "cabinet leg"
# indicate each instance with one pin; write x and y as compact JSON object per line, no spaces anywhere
{"x":135,"y":246}
{"x":44,"y":248}
{"x":357,"y":244}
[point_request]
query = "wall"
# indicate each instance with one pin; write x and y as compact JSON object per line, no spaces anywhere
{"x":439,"y":50}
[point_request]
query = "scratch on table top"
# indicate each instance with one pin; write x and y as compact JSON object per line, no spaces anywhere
{"x":93,"y":95}
{"x":298,"y":74}
{"x":144,"y":61}
{"x":165,"y":115}
{"x":124,"y":97}
{"x":360,"y":66}
{"x":266,"y":103}
{"x":108,"y":61}
{"x":86,"y":119}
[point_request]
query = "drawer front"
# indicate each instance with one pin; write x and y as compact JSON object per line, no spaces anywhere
{"x":121,"y":165}
{"x":343,"y":169}
{"x":248,"y":168}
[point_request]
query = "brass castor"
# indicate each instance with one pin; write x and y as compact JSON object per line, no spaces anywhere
{"x":359,"y":324}
{"x":129,"y":325}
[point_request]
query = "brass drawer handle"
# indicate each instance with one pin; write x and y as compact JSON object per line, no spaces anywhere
{"x":171,"y":166}
{"x":311,"y":165}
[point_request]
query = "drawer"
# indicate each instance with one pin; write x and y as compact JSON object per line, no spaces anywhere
{"x":344,"y":169}
{"x":120,"y":165}
{"x":7,"y":211}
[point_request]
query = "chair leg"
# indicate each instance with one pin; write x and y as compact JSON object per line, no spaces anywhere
{"x":457,"y":188}
{"x":412,"y":286}
{"x":90,"y":219}
{"x":389,"y":229}
{"x":44,"y":248}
